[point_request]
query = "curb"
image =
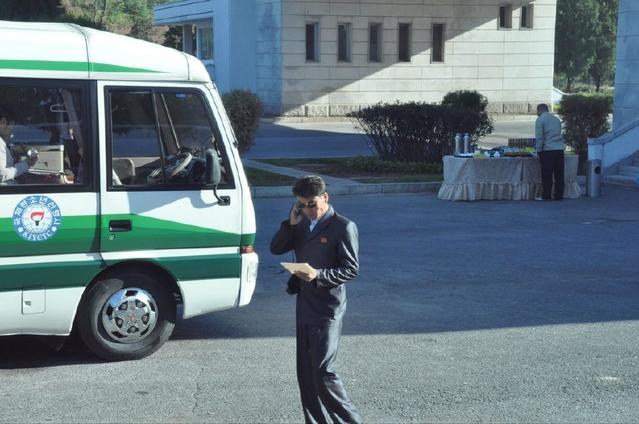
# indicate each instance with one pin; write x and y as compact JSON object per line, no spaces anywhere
{"x":349,"y":189}
{"x":353,"y":189}
{"x":501,"y":117}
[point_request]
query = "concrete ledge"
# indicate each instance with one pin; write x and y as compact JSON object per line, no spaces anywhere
{"x":343,"y":189}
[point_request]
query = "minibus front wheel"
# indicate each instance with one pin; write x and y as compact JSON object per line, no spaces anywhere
{"x":127,"y":315}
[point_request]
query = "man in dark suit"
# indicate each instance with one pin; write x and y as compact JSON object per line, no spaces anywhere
{"x":329,"y":243}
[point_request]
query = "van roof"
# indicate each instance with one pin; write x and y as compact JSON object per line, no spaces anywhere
{"x":61,"y":50}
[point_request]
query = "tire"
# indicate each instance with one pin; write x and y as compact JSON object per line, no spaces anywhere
{"x":127,"y":315}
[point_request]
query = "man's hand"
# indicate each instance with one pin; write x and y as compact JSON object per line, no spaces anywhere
{"x":307,"y":277}
{"x":32,"y":157}
{"x":295,"y":215}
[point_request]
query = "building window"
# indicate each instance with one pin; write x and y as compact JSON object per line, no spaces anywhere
{"x":204,"y":43}
{"x":312,"y":42}
{"x":526,"y":16}
{"x":375,"y":42}
{"x":404,"y":43}
{"x":437,"y":55}
{"x":344,"y":42}
{"x":505,"y":16}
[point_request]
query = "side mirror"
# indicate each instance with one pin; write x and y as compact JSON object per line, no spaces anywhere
{"x":213,"y":168}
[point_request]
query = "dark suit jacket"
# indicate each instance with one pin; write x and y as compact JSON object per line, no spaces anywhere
{"x":331,"y":248}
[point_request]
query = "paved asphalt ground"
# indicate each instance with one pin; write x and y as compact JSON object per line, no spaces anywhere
{"x":289,"y":139}
{"x":463,"y":312}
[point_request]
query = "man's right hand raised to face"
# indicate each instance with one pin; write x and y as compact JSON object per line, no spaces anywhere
{"x":295,"y":215}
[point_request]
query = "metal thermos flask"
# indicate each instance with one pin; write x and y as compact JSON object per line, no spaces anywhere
{"x":458,"y":143}
{"x":466,"y":143}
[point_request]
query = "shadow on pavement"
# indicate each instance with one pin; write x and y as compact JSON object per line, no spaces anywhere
{"x":24,"y":352}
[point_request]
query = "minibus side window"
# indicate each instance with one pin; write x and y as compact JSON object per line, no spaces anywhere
{"x":135,"y":147}
{"x":192,"y":132}
{"x":159,"y":139}
{"x":42,"y":134}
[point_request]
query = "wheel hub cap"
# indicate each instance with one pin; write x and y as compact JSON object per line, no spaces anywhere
{"x":129,"y":315}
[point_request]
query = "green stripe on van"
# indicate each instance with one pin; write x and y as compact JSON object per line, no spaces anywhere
{"x":49,"y":275}
{"x":58,"y":65}
{"x":55,"y":275}
{"x":153,"y":233}
{"x":77,"y":234}
{"x":247,"y":239}
{"x":80,"y":234}
{"x":203,"y":267}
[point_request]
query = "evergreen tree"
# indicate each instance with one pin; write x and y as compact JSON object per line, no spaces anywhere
{"x":603,"y":64}
{"x":30,"y":10}
{"x":575,"y":35}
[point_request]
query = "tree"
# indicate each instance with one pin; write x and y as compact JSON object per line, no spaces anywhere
{"x":576,"y":29}
{"x":173,"y":37}
{"x":141,"y":17}
{"x":603,"y":65}
{"x":131,"y":17}
{"x":30,"y":10}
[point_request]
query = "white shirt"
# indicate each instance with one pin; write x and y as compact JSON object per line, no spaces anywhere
{"x":312,"y":224}
{"x":8,"y":168}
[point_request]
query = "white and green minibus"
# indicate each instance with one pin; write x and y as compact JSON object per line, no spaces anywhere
{"x":123,"y":202}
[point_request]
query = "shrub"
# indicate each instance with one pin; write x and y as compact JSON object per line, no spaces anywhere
{"x":584,"y":117}
{"x":419,"y":132}
{"x":466,"y":99}
{"x":244,"y":109}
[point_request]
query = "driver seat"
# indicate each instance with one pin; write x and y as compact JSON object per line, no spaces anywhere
{"x":124,"y":168}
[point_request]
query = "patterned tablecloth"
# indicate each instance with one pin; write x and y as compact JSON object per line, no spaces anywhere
{"x":501,"y":178}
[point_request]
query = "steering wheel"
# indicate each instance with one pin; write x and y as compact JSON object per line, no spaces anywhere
{"x":173,"y":167}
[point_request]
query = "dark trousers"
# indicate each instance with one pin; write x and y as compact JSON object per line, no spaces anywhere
{"x":552,"y":168}
{"x":324,"y":397}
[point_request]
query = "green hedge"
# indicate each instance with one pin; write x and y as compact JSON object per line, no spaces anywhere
{"x":584,"y":116}
{"x":419,"y":132}
{"x":244,"y":109}
{"x":466,"y":99}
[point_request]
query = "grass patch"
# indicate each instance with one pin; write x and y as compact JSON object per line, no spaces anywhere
{"x":413,"y":178}
{"x":259,"y":178}
{"x":364,"y":169}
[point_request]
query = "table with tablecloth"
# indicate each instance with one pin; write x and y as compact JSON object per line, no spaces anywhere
{"x":505,"y":178}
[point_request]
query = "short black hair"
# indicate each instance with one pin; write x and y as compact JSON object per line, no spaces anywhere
{"x":309,"y":186}
{"x":7,"y":113}
{"x":542,"y":107}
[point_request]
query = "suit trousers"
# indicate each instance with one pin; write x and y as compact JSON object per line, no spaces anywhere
{"x":552,"y":168}
{"x":324,"y":397}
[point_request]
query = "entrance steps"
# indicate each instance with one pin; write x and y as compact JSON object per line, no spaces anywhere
{"x":627,"y":175}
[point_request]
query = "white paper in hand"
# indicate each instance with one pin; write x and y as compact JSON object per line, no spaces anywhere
{"x":294,"y":266}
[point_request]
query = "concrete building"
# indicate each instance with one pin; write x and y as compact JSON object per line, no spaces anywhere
{"x":328,"y":57}
{"x":626,"y":76}
{"x":618,"y":150}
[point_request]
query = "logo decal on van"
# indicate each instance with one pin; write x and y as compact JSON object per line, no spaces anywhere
{"x":37,"y":218}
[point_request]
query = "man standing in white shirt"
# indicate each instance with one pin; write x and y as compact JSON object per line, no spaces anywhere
{"x":550,"y":148}
{"x":9,"y":169}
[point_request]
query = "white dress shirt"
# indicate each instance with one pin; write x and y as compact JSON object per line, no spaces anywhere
{"x":8,"y":168}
